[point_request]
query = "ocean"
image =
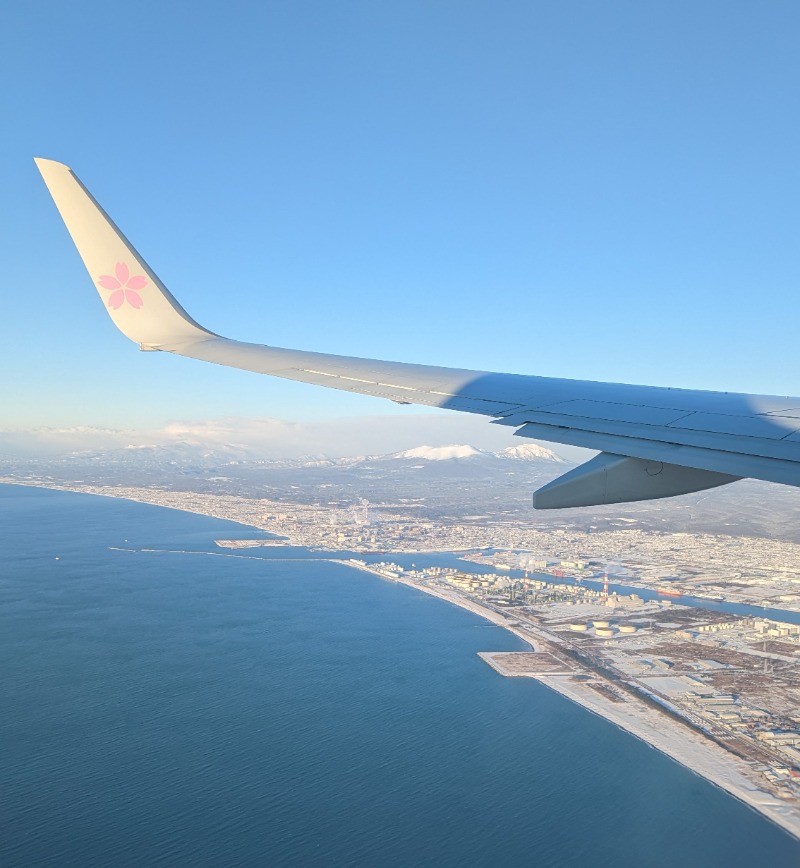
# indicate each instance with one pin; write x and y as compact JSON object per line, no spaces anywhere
{"x":182,"y":708}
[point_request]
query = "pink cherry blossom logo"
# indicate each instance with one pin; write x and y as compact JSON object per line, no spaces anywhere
{"x":124,"y":287}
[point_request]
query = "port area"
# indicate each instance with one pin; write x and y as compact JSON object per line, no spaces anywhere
{"x":250,"y":543}
{"x":524,"y":663}
{"x":717,"y":693}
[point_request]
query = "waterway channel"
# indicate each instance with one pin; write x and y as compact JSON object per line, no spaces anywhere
{"x":614,"y":585}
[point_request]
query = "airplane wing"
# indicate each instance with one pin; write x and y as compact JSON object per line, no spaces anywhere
{"x":653,"y":442}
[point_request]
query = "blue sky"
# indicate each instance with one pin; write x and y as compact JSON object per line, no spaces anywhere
{"x":603,"y":191}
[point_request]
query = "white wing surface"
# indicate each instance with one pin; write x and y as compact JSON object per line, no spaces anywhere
{"x":654,"y":442}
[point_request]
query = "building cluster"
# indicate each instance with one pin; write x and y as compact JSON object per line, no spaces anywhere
{"x":737,"y":569}
{"x":760,"y":718}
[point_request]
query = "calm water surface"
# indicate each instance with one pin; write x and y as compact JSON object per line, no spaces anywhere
{"x":180,"y":709}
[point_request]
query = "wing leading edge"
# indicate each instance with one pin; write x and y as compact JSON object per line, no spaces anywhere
{"x":655,"y":442}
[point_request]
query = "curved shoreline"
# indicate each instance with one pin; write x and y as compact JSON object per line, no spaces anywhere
{"x":690,"y":749}
{"x":677,"y":741}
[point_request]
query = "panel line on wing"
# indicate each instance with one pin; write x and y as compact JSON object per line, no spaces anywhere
{"x":776,"y":448}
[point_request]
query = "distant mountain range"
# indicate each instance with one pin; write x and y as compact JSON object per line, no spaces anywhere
{"x":271,"y":440}
{"x":195,"y":452}
{"x":453,"y":482}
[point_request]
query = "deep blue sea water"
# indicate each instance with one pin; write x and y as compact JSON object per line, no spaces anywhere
{"x":183,"y":709}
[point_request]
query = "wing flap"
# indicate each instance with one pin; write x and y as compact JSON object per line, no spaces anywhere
{"x":736,"y":463}
{"x":730,"y":441}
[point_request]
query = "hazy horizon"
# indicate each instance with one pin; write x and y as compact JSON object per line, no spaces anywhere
{"x":278,"y":438}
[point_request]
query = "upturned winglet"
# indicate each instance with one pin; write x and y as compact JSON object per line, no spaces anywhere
{"x":141,"y":307}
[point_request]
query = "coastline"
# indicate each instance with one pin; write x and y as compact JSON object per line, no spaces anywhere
{"x":448,"y":596}
{"x":676,"y":740}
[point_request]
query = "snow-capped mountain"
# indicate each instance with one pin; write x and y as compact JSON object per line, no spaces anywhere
{"x":440,"y":453}
{"x":523,"y":452}
{"x":530,"y":452}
